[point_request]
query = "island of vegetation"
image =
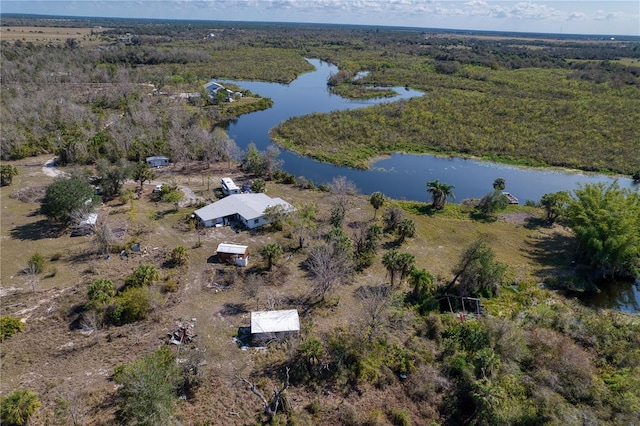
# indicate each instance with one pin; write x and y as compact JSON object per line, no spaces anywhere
{"x":116,"y":308}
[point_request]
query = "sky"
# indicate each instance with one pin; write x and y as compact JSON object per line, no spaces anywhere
{"x":605,"y":17}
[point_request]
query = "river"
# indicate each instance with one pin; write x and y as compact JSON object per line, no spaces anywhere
{"x":401,"y":176}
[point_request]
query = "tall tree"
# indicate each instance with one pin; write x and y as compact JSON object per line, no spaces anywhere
{"x":377,"y":200}
{"x":478,"y":273}
{"x":64,"y":196}
{"x":112,"y":175}
{"x":554,"y":204}
{"x":342,"y":190}
{"x":271,"y":252}
{"x":439,"y":191}
{"x":406,"y":229}
{"x":606,"y":221}
{"x":499,"y":184}
{"x":142,"y":172}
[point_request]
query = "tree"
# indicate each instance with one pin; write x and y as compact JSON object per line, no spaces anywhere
{"x":18,"y":406}
{"x":392,"y":218}
{"x":142,"y":172}
{"x":606,"y":222}
{"x":179,"y":256}
{"x":252,"y":162}
{"x":330,"y":264}
{"x":148,"y":389}
{"x":258,"y":185}
{"x":270,"y":407}
{"x":439,"y":191}
{"x":375,"y":301}
{"x":302,"y":222}
{"x":477,"y":273}
{"x":271,"y":252}
{"x":7,"y":172}
{"x":64,"y":196}
{"x":276,"y":215}
{"x":143,"y":276}
{"x":112,"y":175}
{"x":342,"y":190}
{"x":493,"y":202}
{"x":554,"y":204}
{"x":101,"y":292}
{"x":397,"y":263}
{"x":377,"y":200}
{"x":172,"y":196}
{"x":423,"y":284}
{"x":406,"y":229}
{"x":499,"y":184}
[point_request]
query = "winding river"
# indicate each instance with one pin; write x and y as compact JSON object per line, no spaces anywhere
{"x":403,"y":176}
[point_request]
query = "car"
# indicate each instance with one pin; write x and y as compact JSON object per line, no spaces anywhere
{"x":157,"y":189}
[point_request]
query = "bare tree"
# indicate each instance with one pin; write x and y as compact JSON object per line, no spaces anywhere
{"x":328,"y":265}
{"x":375,"y":301}
{"x":343,"y":190}
{"x":31,"y":276}
{"x":270,"y":407}
{"x":104,"y":237}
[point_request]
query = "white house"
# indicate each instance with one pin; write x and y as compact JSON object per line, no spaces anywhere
{"x":284,"y":321}
{"x":229,"y":187}
{"x":246,"y":208}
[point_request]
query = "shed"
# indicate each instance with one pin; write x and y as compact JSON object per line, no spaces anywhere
{"x":276,"y":323}
{"x":157,"y":161}
{"x":229,"y":187}
{"x":233,"y":253}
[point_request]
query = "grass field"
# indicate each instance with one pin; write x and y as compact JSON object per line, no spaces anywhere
{"x":56,"y":358}
{"x":57,"y":35}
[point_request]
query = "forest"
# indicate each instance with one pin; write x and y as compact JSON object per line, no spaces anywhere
{"x":411,"y":313}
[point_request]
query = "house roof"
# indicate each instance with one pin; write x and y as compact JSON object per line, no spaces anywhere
{"x":275,"y":321}
{"x":231,"y":248}
{"x":156,"y":157}
{"x":249,"y":206}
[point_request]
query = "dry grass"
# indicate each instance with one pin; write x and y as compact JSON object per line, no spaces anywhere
{"x":53,"y":358}
{"x":56,"y":35}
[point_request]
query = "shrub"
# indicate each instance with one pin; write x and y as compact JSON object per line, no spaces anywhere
{"x":179,"y":256}
{"x":16,"y":408}
{"x":9,"y":326}
{"x":400,"y":417}
{"x":148,"y":389}
{"x":144,"y":275}
{"x":132,"y":305}
{"x":36,"y":263}
{"x":100,"y":292}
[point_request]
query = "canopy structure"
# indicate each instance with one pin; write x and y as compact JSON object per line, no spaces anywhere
{"x":274,"y":321}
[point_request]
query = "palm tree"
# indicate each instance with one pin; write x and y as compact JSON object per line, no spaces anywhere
{"x":376,"y":200}
{"x":406,"y":229}
{"x":439,"y":191}
{"x":271,"y":252}
{"x":499,"y":184}
{"x":390,"y":262}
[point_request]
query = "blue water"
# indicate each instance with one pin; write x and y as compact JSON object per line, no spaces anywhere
{"x":401,"y":176}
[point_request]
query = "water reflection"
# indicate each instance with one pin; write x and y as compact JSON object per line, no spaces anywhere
{"x":622,"y":296}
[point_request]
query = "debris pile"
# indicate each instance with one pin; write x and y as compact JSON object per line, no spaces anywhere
{"x":185,"y":332}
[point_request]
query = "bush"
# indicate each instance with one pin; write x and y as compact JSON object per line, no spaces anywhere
{"x":9,"y":326}
{"x":36,"y":263}
{"x":132,"y":305}
{"x":143,"y":276}
{"x":148,"y":389}
{"x":16,"y":408}
{"x":179,"y":256}
{"x":400,"y":417}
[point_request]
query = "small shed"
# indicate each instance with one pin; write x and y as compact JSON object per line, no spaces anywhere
{"x":233,"y":253}
{"x":86,"y":226}
{"x":266,"y":325}
{"x":157,"y":161}
{"x":229,"y":187}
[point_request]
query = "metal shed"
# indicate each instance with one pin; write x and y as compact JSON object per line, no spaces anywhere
{"x":233,"y":253}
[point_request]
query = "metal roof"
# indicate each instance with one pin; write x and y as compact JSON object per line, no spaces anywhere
{"x":249,"y":206}
{"x":275,"y":321}
{"x":231,"y":248}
